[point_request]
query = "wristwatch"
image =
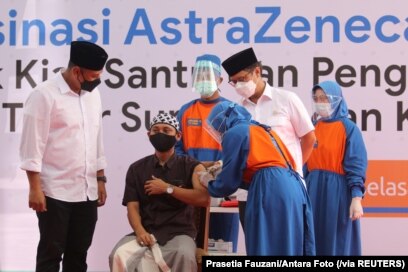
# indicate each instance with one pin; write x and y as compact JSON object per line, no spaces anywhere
{"x":101,"y":178}
{"x":170,"y":189}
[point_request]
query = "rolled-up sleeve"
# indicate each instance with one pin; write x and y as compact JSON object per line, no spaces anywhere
{"x":36,"y":123}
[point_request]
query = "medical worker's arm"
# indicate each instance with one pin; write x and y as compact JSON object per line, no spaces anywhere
{"x":235,"y":146}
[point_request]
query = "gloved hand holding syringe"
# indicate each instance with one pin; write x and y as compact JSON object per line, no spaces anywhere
{"x":210,"y":173}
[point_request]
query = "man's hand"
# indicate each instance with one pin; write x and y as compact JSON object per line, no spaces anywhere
{"x":101,"y":193}
{"x":155,"y":186}
{"x":144,"y":239}
{"x":36,"y":200}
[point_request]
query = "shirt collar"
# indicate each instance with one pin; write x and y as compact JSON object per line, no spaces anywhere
{"x":267,"y":93}
{"x":62,"y":84}
{"x":169,"y":164}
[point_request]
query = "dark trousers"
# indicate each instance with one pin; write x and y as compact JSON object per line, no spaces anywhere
{"x":66,"y":228}
{"x":241,"y":209}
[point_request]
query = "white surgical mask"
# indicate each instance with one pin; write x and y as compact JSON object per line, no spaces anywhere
{"x":205,"y":88}
{"x":323,"y":109}
{"x":245,"y":89}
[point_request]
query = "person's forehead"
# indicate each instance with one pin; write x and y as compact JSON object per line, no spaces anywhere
{"x":319,"y":91}
{"x":204,"y":74}
{"x":240,"y":74}
{"x":162,"y":126}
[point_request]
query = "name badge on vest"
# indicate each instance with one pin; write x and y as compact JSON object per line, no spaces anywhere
{"x":194,"y":122}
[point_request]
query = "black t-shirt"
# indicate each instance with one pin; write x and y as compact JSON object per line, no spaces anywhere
{"x":162,"y":215}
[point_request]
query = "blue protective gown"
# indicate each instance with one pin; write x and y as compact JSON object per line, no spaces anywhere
{"x":334,"y":173}
{"x":278,"y":211}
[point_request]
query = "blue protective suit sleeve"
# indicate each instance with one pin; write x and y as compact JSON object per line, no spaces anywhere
{"x":235,"y":145}
{"x":355,"y":159}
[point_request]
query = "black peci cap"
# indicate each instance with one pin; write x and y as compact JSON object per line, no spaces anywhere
{"x":239,"y":61}
{"x":88,"y":55}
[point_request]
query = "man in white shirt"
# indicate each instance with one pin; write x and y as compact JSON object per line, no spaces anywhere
{"x":62,"y":152}
{"x":280,"y":109}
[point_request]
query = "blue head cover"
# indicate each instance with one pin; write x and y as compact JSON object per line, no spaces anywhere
{"x":208,"y":58}
{"x":226,"y":115}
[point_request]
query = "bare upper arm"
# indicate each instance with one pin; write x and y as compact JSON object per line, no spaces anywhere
{"x":195,"y":179}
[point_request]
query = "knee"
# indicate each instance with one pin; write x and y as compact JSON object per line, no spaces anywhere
{"x":186,"y":254}
{"x":114,"y":255}
{"x":117,"y":259}
{"x":118,"y":251}
{"x":184,"y":260}
{"x":111,"y":257}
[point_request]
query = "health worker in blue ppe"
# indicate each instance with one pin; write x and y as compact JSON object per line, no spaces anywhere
{"x":335,"y":174}
{"x":197,"y":143}
{"x":278,"y":213}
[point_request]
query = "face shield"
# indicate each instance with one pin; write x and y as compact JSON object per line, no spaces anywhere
{"x":325,"y":105}
{"x":204,"y":79}
{"x":217,"y":126}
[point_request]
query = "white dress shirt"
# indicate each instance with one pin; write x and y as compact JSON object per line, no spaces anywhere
{"x":286,"y":114}
{"x":62,"y":140}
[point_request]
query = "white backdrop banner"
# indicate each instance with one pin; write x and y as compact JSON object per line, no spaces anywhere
{"x":152,"y":47}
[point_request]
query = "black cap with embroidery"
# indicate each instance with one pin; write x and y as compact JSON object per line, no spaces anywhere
{"x":239,"y":61}
{"x":88,"y":55}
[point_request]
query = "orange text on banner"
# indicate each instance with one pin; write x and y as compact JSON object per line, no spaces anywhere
{"x":386,"y":189}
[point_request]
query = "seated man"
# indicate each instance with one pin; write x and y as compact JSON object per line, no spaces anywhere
{"x":161,"y":190}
